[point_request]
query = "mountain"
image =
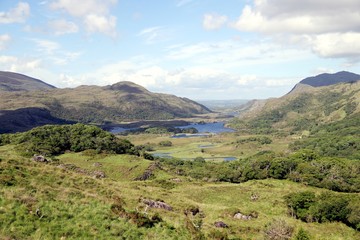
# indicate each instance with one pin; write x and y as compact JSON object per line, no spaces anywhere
{"x":327,"y":79}
{"x":10,"y":81}
{"x":306,"y":106}
{"x":123,"y":101}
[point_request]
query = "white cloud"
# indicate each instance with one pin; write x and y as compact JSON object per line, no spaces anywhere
{"x":155,"y":34}
{"x":181,"y":3}
{"x":53,"y":52}
{"x":62,"y":26}
{"x":84,"y":7}
{"x":230,"y":54}
{"x":17,"y":14}
{"x":101,"y":24}
{"x":328,"y":28}
{"x":4,"y":41}
{"x":46,"y":47}
{"x":337,"y":45}
{"x":214,"y":21}
{"x":15,"y":64}
{"x":300,"y":17}
{"x":95,"y":14}
{"x":246,"y":79}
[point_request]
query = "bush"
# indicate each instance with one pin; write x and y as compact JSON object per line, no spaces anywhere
{"x":299,"y":204}
{"x":302,"y":235}
{"x":278,"y":230}
{"x":165,"y":143}
{"x":327,"y":207}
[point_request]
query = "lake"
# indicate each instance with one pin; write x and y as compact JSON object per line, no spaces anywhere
{"x":215,"y":127}
{"x":203,"y":129}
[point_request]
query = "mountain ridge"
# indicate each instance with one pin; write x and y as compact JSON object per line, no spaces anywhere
{"x":326,"y":79}
{"x":10,"y":81}
{"x":122,"y":101}
{"x":305,"y":106}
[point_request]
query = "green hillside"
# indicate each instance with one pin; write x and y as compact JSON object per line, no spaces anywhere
{"x":303,"y":108}
{"x":84,"y":190}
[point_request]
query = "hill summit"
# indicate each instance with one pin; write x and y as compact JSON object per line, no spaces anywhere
{"x":10,"y":81}
{"x":122,"y":101}
{"x":327,"y":79}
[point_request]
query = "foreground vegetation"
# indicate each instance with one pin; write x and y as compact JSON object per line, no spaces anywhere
{"x":45,"y":201}
{"x":277,"y":187}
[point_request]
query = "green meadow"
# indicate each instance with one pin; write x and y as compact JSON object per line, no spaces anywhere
{"x":44,"y":201}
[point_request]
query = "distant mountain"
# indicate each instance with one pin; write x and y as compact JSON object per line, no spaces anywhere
{"x":123,"y":101}
{"x":10,"y":81}
{"x":306,"y":106}
{"x":327,"y":79}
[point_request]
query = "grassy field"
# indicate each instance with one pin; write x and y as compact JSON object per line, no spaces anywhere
{"x":43,"y":201}
{"x":214,"y":147}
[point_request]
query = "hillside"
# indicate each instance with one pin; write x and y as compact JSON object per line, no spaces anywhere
{"x":304,"y":107}
{"x":123,"y":101}
{"x":86,"y":191}
{"x":10,"y":81}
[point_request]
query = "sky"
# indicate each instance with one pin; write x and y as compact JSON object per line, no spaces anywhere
{"x":200,"y":49}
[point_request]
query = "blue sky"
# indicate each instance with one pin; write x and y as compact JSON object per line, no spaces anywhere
{"x":233,"y":49}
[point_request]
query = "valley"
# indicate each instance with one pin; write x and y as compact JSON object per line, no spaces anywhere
{"x":284,"y":168}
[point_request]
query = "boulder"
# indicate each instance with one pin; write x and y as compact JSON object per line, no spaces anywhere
{"x":97,"y":164}
{"x":157,"y":204}
{"x":242,"y":216}
{"x":98,"y":174}
{"x":40,"y":158}
{"x":220,"y":224}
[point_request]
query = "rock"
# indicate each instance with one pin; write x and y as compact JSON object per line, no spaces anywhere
{"x":40,"y":158}
{"x":148,"y":172}
{"x":242,"y":216}
{"x":220,"y":224}
{"x":254,"y":197}
{"x":98,"y":174}
{"x":176,"y":180}
{"x":97,"y":164}
{"x":192,"y":210}
{"x":157,"y":204}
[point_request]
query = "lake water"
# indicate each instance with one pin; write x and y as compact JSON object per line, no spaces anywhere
{"x":216,"y":127}
{"x":203,"y":129}
{"x":116,"y":130}
{"x":168,"y":155}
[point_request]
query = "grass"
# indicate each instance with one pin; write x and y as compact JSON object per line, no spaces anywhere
{"x":75,"y":206}
{"x":222,"y":145}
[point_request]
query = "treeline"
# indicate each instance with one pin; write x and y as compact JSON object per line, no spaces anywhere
{"x":326,"y":207}
{"x":161,"y":130}
{"x":340,"y":139}
{"x":56,"y":139}
{"x":305,"y":166}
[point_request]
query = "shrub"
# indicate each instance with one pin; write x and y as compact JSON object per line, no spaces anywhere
{"x":278,"y":230}
{"x":302,"y":235}
{"x":165,"y":143}
{"x":299,"y":204}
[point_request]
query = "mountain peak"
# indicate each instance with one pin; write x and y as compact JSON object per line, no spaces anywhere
{"x":128,"y":87}
{"x":10,"y":81}
{"x":326,"y":79}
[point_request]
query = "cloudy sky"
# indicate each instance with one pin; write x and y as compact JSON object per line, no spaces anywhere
{"x":201,"y":49}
